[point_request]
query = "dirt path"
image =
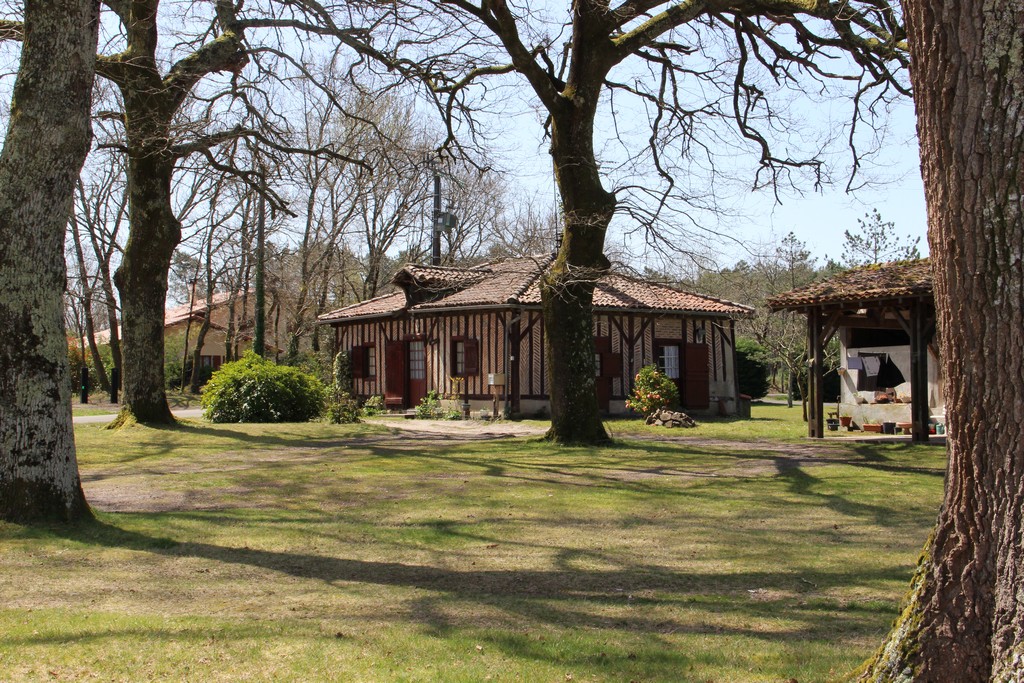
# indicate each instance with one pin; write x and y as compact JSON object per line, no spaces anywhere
{"x":464,"y":428}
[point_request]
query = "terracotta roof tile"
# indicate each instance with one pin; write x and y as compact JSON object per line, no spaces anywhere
{"x":381,"y":305}
{"x":515,"y":281}
{"x":439,"y":277}
{"x":504,"y":283}
{"x":863,"y":284}
{"x":621,"y":292}
{"x":181,"y":313}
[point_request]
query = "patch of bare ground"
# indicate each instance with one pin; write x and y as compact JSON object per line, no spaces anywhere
{"x":471,"y":429}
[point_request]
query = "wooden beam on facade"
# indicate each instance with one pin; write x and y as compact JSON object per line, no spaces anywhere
{"x":831,"y":327}
{"x":863,"y":322}
{"x":904,"y":323}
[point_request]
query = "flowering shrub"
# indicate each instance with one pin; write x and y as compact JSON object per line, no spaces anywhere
{"x":653,"y":391}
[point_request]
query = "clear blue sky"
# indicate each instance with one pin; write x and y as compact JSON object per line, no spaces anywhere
{"x":892,"y":185}
{"x":889,"y":182}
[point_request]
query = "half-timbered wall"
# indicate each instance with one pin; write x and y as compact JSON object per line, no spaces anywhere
{"x":632,"y":337}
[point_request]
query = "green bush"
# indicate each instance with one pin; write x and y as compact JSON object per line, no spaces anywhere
{"x":342,"y":409}
{"x":172,"y":374}
{"x":652,"y":391}
{"x":341,"y":372}
{"x":752,"y":367}
{"x":76,"y":361}
{"x":253,"y":389}
{"x":430,"y":407}
{"x":374,"y":405}
{"x":319,"y":364}
{"x":75,"y":364}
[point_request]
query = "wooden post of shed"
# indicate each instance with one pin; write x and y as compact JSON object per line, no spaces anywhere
{"x":815,"y":381}
{"x":918,"y":373}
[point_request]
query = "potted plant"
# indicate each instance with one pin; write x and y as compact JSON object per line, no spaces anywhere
{"x":846,"y":421}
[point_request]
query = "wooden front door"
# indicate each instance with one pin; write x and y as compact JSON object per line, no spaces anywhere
{"x":696,"y":385}
{"x":394,"y":374}
{"x":417,"y":365}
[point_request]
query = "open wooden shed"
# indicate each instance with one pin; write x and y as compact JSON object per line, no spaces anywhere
{"x":878,"y":298}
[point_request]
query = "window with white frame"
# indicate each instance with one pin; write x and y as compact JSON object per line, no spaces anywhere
{"x":668,"y":361}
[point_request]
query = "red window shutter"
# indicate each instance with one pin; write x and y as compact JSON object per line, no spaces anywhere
{"x":696,"y":381}
{"x":472,"y":351}
{"x":358,"y":359}
{"x":394,"y":371}
{"x":611,"y":365}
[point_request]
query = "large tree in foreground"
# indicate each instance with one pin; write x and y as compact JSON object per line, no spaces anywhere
{"x":647,"y":104}
{"x":47,"y":142}
{"x":964,"y":620}
{"x":156,"y":139}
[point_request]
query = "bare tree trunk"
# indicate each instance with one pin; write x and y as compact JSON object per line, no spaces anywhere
{"x":103,"y":248}
{"x":965,"y":618}
{"x":47,"y":140}
{"x":90,"y":324}
{"x":194,"y":381}
{"x":142,"y":280}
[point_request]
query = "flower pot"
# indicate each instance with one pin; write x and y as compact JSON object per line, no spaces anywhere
{"x":876,"y":428}
{"x":832,"y":424}
{"x":888,"y":427}
{"x":846,"y":420}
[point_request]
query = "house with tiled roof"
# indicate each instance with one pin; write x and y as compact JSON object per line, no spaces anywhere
{"x":182,"y":324}
{"x":478,"y":333}
{"x":884,"y":317}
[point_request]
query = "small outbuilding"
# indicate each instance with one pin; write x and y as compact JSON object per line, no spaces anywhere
{"x":884,"y":315}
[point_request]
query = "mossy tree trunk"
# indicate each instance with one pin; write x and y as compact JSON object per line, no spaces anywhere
{"x":151,"y":101}
{"x":965,"y":617}
{"x":142,"y":276}
{"x":48,"y":137}
{"x":567,"y":290}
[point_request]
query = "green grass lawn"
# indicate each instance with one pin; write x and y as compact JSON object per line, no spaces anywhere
{"x":99,"y":403}
{"x":768,"y":421}
{"x":318,"y":552}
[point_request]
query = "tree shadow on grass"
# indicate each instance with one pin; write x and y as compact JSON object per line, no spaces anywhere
{"x":616,"y":468}
{"x":863,"y":455}
{"x":551,"y":596}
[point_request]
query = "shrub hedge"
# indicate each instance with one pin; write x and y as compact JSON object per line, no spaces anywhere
{"x":253,"y":389}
